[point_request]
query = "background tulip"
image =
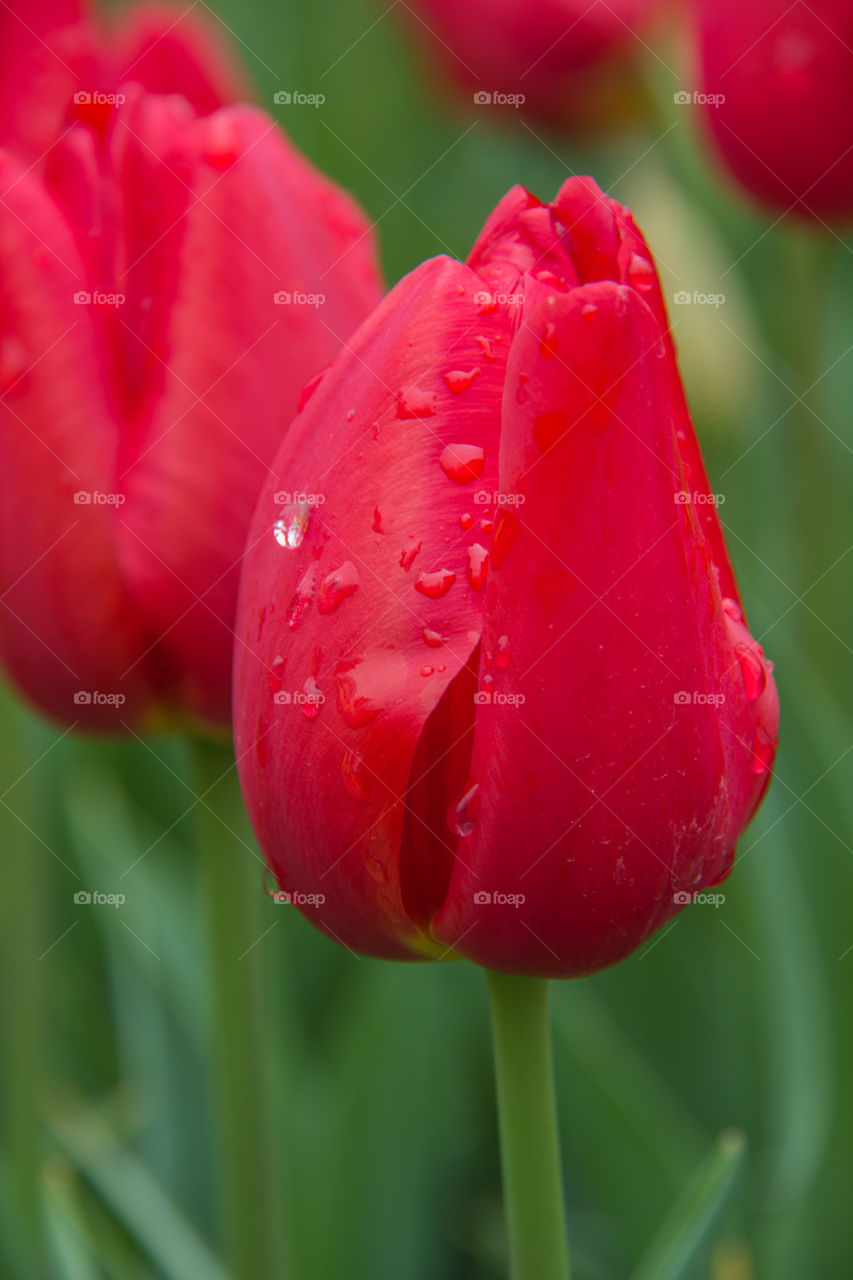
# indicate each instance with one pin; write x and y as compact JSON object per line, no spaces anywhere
{"x":63,"y":47}
{"x":566,"y":61}
{"x":502,"y":624}
{"x":166,"y":287}
{"x":782,"y":123}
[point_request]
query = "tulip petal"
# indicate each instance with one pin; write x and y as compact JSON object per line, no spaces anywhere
{"x":240,"y":217}
{"x":383,"y":441}
{"x":59,"y":440}
{"x":611,"y":610}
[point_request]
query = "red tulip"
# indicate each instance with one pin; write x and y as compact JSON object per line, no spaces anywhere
{"x":146,"y":374}
{"x":494,"y":694}
{"x":779,"y":83}
{"x":52,"y":50}
{"x":550,"y":54}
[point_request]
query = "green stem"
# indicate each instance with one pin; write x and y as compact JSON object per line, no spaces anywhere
{"x":231,"y":873}
{"x":527,"y":1114}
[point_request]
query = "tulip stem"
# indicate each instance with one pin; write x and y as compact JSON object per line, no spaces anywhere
{"x":527,"y":1116}
{"x":232,"y":895}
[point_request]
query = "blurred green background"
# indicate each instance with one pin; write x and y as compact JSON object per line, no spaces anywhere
{"x":373,"y":1121}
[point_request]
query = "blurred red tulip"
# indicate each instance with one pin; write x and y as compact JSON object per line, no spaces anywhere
{"x":167,"y":285}
{"x":499,"y":619}
{"x":779,"y":81}
{"x":549,"y":58}
{"x":58,"y":48}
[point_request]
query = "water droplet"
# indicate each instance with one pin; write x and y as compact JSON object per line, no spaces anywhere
{"x":407,"y":555}
{"x":433,"y":638}
{"x":486,"y":302}
{"x":478,"y":566}
{"x":502,"y":654}
{"x":732,"y":608}
{"x":336,"y":586}
{"x":313,"y":698}
{"x":550,"y":341}
{"x":262,"y":617}
{"x":463,"y":462}
{"x":551,"y":281}
{"x":641,"y":273}
{"x":415,"y":403}
{"x":762,"y":750}
{"x":589,"y":311}
{"x":291,"y":526}
{"x":485,"y":346}
{"x":466,"y":520}
{"x":350,"y":414}
{"x":521,"y":393}
{"x":222,"y":144}
{"x":356,"y":710}
{"x":276,"y":672}
{"x":462,"y":815}
{"x":301,"y":599}
{"x":459,"y":380}
{"x":753,"y":671}
{"x":487,"y":525}
{"x":435,"y":584}
{"x":308,"y":390}
{"x":427,"y":671}
{"x":506,"y":532}
{"x":619,"y":872}
{"x":377,"y":521}
{"x":354,"y":774}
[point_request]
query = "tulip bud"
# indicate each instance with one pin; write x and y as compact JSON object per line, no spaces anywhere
{"x":498,"y":619}
{"x":777,"y":100}
{"x":167,"y":286}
